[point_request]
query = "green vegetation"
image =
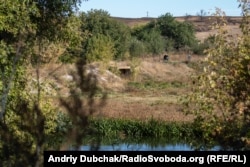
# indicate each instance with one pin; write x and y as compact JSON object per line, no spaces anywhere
{"x":151,"y":39}
{"x":181,"y":33}
{"x":99,"y":22}
{"x":200,"y":47}
{"x":153,"y":132}
{"x":35,"y":33}
{"x":221,"y":89}
{"x":138,"y":129}
{"x":28,"y":29}
{"x":165,"y":34}
{"x":137,"y":48}
{"x":99,"y":48}
{"x":122,"y":42}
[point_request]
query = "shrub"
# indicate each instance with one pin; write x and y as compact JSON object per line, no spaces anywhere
{"x":99,"y":48}
{"x":136,"y":48}
{"x":221,"y":92}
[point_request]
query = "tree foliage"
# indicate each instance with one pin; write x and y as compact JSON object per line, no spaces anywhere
{"x":200,"y":47}
{"x":136,"y":48}
{"x":100,"y":22}
{"x":182,"y":33}
{"x":178,"y":34}
{"x":154,"y":42}
{"x":152,"y":39}
{"x":221,"y":90}
{"x":27,"y":116}
{"x":100,"y":48}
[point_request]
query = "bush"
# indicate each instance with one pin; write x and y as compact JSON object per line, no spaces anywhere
{"x":99,"y":48}
{"x":221,"y":92}
{"x":182,"y":34}
{"x":99,"y":22}
{"x":199,"y":48}
{"x":151,"y":38}
{"x":136,"y":48}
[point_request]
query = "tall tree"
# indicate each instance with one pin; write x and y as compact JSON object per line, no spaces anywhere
{"x":100,"y":22}
{"x":26,"y":29}
{"x":181,"y":33}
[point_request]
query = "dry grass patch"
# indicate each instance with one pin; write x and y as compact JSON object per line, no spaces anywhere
{"x":143,"y":109}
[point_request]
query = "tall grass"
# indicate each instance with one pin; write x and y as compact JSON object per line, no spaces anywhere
{"x":138,"y":129}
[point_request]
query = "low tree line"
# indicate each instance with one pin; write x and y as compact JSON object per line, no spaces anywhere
{"x":113,"y":40}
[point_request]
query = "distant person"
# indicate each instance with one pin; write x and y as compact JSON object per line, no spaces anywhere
{"x":165,"y":58}
{"x":188,"y":58}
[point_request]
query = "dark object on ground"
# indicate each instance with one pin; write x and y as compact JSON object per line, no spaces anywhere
{"x":125,"y":71}
{"x":165,"y":58}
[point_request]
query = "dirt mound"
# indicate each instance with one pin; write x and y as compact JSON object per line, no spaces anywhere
{"x":57,"y":79}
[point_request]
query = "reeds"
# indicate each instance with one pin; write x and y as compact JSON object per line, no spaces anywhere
{"x":138,"y":129}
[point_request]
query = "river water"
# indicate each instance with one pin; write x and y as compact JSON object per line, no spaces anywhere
{"x":144,"y":147}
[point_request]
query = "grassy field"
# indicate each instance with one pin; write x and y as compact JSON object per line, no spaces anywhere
{"x":153,"y":93}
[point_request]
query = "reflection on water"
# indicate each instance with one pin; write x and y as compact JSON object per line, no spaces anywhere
{"x":145,"y":147}
{"x":100,"y":143}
